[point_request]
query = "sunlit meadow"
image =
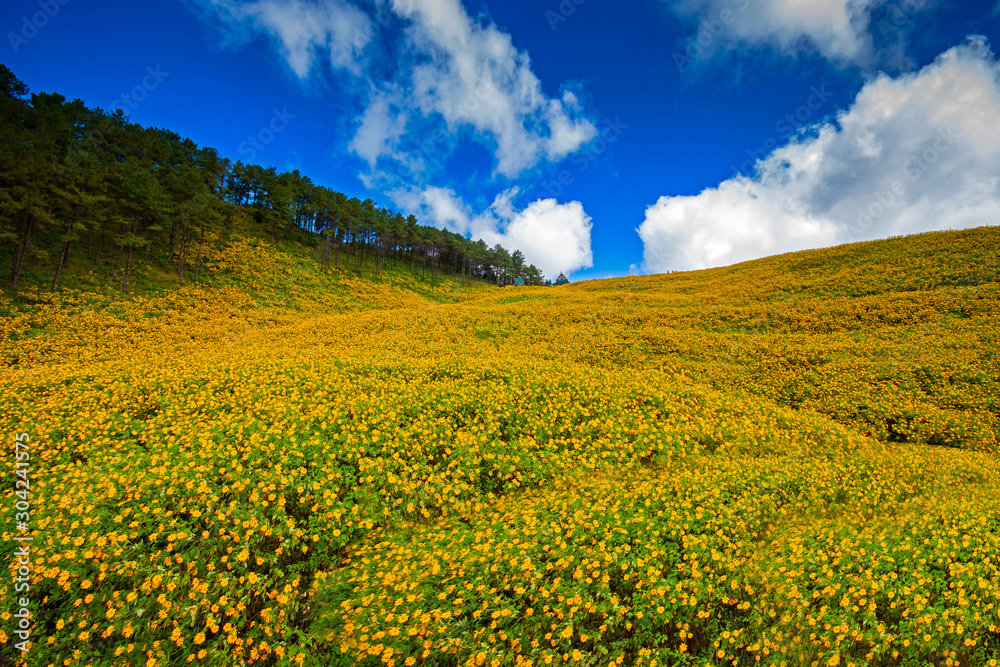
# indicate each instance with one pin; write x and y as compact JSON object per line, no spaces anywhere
{"x":792,"y":461}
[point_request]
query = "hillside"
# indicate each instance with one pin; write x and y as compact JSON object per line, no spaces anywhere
{"x":787,"y":461}
{"x":89,"y":198}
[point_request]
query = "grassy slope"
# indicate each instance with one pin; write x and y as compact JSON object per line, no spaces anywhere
{"x":792,"y":459}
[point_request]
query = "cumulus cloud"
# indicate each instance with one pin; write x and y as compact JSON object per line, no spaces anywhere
{"x":302,"y":29}
{"x":477,"y":78}
{"x":839,"y":30}
{"x":919,"y":152}
{"x":554,"y":237}
{"x":452,"y":78}
{"x":448,"y":68}
{"x":382,"y":125}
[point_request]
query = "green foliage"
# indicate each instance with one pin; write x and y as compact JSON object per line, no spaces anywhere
{"x":71,"y":174}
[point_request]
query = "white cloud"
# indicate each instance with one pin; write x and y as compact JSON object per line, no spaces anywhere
{"x":302,"y":28}
{"x":382,"y":125}
{"x":554,"y":237}
{"x":474,"y":77}
{"x":449,"y":68}
{"x":837,"y":29}
{"x":920,"y":152}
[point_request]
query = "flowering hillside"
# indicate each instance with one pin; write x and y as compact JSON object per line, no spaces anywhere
{"x":789,"y":461}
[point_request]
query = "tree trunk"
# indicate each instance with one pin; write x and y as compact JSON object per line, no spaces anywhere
{"x":197,"y":262}
{"x":180,"y":261}
{"x":362,"y":252}
{"x":325,"y":257}
{"x":173,"y":238}
{"x":128,"y":264}
{"x":100,"y":243}
{"x":27,"y":226}
{"x":118,"y":254}
{"x":118,"y":260}
{"x":62,"y":261}
{"x":128,"y":269}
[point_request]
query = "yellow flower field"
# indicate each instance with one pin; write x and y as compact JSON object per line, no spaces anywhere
{"x":790,"y":461}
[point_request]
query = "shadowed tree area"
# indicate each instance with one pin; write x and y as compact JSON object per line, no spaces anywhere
{"x":87,"y":184}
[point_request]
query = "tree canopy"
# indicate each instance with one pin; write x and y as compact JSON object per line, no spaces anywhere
{"x":75,"y":179}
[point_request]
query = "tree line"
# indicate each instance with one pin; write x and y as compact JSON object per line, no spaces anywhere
{"x":75,"y":179}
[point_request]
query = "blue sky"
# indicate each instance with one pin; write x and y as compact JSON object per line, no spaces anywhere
{"x":599,"y":137}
